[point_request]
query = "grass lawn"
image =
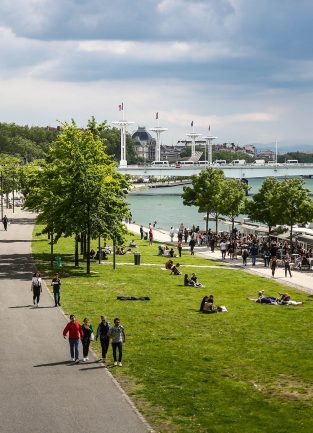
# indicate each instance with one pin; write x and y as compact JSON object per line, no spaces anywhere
{"x":245,"y":371}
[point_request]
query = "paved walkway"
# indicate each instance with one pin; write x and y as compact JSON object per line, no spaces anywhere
{"x":41,"y":392}
{"x":300,"y":280}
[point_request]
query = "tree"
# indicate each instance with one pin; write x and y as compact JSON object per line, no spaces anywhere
{"x":232,"y":201}
{"x":205,"y":192}
{"x":112,"y":141}
{"x":263,"y":207}
{"x":78,"y":189}
{"x":294,"y":203}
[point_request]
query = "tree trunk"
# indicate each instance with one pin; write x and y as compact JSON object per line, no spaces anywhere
{"x":290,"y":240}
{"x":51,"y":248}
{"x":99,"y":248}
{"x":13,"y":201}
{"x":232,"y":224}
{"x":82,"y":243}
{"x":216,"y":224}
{"x":207,"y":221}
{"x":88,"y":242}
{"x":114,"y":254}
{"x":76,"y":252}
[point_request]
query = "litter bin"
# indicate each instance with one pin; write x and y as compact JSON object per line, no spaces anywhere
{"x":137,"y":258}
{"x":58,"y":261}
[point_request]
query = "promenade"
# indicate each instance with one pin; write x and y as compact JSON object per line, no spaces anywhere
{"x":300,"y":280}
{"x":41,"y":391}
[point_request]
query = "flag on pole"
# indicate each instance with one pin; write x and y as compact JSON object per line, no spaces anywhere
{"x":192,"y":123}
{"x":156,"y":116}
{"x":121,"y":107}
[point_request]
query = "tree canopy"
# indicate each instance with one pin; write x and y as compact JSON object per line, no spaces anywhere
{"x":78,"y":189}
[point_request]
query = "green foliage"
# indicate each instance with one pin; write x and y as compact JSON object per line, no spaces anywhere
{"x":206,"y":192}
{"x":263,"y":207}
{"x":232,"y":199}
{"x":295,"y":205}
{"x":28,"y":142}
{"x":112,"y":140}
{"x":230,"y":156}
{"x":77,"y":189}
{"x":302,"y":157}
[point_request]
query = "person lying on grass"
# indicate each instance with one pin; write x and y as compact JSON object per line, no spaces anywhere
{"x":284,"y":299}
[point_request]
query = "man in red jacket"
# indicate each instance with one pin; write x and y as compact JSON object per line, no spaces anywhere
{"x":75,"y":332}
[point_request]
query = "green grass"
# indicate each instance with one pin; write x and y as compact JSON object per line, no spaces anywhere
{"x":245,"y":371}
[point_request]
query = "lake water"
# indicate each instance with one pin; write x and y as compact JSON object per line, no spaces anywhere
{"x":165,"y":206}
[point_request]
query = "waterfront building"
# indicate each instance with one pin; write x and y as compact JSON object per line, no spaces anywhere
{"x":144,"y":144}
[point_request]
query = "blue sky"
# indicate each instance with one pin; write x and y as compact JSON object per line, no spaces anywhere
{"x":245,"y":67}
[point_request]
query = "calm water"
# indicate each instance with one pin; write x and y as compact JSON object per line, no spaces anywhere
{"x":165,"y":206}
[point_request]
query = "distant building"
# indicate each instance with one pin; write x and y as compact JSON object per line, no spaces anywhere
{"x":266,"y":154}
{"x":249,"y":148}
{"x":144,"y":144}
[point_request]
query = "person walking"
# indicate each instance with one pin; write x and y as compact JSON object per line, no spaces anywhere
{"x":192,"y":244}
{"x":223,"y":248}
{"x":150,"y":236}
{"x":87,"y":338}
{"x":245,"y":255}
{"x":172,"y":232}
{"x":117,"y":334}
{"x":36,"y":288}
{"x":179,"y":247}
{"x":253,"y":253}
{"x":141,"y":232}
{"x":287,"y":261}
{"x":75,"y":332}
{"x":102,"y":332}
{"x":273,"y":265}
{"x":56,"y":284}
{"x":5,"y":222}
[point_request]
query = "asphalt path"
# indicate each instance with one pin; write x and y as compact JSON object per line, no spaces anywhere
{"x":41,"y":391}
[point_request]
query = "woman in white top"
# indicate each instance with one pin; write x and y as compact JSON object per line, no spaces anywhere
{"x":36,"y":288}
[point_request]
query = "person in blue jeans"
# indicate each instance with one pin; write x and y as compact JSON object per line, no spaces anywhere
{"x":117,"y":334}
{"x":75,"y":333}
{"x":253,"y":253}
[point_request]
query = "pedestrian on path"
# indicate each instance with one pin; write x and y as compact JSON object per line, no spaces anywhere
{"x":87,"y":338}
{"x":5,"y":222}
{"x":36,"y":288}
{"x":56,"y":284}
{"x":192,"y":244}
{"x":172,"y":232}
{"x":75,"y":332}
{"x":117,"y":334}
{"x":102,"y":332}
{"x":141,"y":232}
{"x":287,"y":261}
{"x":273,"y":265}
{"x":150,"y":236}
{"x":179,"y":247}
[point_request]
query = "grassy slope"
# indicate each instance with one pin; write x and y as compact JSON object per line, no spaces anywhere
{"x":248,"y":370}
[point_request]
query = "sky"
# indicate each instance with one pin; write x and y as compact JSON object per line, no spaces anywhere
{"x":242,"y":67}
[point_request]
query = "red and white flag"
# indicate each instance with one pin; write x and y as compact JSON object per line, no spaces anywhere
{"x":156,"y":116}
{"x":121,"y":107}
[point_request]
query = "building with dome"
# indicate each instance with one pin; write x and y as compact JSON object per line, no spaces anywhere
{"x":144,"y":144}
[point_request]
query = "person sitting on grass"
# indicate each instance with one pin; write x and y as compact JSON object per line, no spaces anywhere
{"x":132,"y":243}
{"x":169,"y":264}
{"x":172,"y":253}
{"x":207,"y":305}
{"x":175,"y":269}
{"x":160,"y":250}
{"x":187,"y":281}
{"x":194,"y":279}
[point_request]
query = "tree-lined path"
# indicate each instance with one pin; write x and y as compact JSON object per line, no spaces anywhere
{"x":41,"y":391}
